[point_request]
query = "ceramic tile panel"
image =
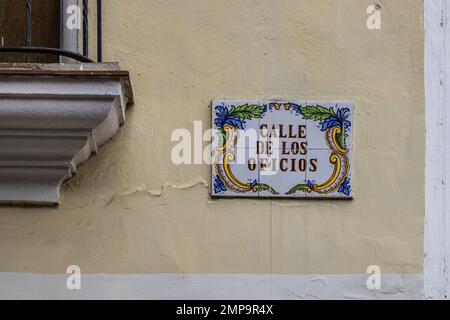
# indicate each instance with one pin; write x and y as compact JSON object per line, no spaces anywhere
{"x":282,"y":124}
{"x":303,"y":149}
{"x":235,"y":173}
{"x":240,"y":115}
{"x":325,"y":115}
{"x":331,"y":174}
{"x":283,"y":170}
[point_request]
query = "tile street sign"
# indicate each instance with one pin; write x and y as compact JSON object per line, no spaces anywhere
{"x":282,"y":149}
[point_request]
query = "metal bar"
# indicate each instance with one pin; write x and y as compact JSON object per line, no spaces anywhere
{"x":85,"y":28}
{"x":52,"y":51}
{"x":61,"y":24}
{"x":99,"y":32}
{"x":29,"y":22}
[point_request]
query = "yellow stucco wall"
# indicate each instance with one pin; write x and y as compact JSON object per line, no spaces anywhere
{"x":130,"y":210}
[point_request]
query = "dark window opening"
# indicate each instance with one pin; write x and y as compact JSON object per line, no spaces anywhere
{"x":45,"y":29}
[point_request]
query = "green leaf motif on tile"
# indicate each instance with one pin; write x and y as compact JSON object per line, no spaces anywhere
{"x":221,"y":137}
{"x":298,"y":188}
{"x":247,"y":111}
{"x":341,"y":140}
{"x":265,"y":187}
{"x":317,"y":113}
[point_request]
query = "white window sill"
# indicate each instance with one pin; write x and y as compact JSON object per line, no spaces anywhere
{"x":52,"y":118}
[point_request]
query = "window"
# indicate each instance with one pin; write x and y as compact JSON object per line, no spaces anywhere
{"x":45,"y":29}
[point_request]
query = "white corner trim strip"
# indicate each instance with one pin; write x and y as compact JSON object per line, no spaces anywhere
{"x":209,"y":287}
{"x":436,"y":284}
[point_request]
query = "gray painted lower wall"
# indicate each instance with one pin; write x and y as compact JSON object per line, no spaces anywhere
{"x":209,"y":287}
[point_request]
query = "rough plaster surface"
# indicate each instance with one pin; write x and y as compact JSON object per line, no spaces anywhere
{"x":130,"y":210}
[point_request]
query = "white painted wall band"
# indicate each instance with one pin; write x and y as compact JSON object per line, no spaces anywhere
{"x":209,"y":287}
{"x":437,"y":219}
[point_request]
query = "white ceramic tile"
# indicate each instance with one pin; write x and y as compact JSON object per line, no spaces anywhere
{"x":316,"y":129}
{"x":282,"y":124}
{"x":324,"y":171}
{"x":222,"y":108}
{"x":283,"y":172}
{"x":349,"y":128}
{"x":245,"y":169}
